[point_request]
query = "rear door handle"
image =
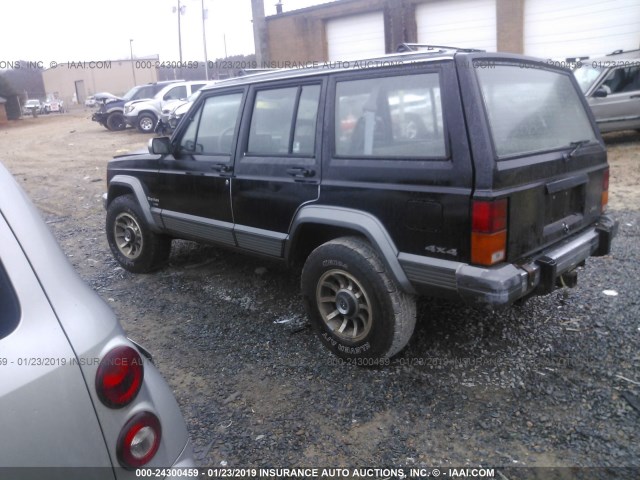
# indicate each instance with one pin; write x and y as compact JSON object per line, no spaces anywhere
{"x":300,"y":172}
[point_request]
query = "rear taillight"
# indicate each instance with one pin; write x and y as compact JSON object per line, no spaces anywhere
{"x":489,"y":231}
{"x":605,"y":189}
{"x":139,"y":440}
{"x":119,"y":377}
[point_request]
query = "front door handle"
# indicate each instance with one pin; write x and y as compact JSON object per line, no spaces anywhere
{"x":300,"y":172}
{"x":222,"y":167}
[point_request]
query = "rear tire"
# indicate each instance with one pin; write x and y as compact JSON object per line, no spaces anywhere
{"x":133,"y":244}
{"x":357,"y":310}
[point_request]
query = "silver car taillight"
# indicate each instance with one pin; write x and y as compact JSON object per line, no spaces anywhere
{"x":139,"y":440}
{"x":119,"y":377}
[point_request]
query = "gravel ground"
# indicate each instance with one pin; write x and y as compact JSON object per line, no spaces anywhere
{"x":553,"y":382}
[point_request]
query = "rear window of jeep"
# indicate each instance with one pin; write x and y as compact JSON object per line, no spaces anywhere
{"x":532,"y":110}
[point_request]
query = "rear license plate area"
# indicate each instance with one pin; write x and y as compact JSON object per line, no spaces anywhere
{"x":564,"y":203}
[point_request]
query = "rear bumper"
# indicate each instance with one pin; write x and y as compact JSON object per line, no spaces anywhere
{"x":504,"y":284}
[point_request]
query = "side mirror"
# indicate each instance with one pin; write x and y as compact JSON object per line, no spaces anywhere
{"x":160,"y":146}
{"x":600,"y":92}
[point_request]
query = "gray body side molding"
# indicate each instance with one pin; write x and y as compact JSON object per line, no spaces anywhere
{"x":136,"y":187}
{"x":360,"y":221}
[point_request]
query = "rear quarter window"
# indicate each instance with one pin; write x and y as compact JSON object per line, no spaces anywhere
{"x":390,"y":117}
{"x":9,"y":306}
{"x":532,"y":110}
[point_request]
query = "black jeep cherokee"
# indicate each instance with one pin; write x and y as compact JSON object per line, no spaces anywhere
{"x":451,"y":173}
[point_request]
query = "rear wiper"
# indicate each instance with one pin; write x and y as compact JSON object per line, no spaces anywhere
{"x":575,"y":147}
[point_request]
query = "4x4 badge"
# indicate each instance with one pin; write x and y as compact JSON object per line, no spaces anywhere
{"x":442,"y":250}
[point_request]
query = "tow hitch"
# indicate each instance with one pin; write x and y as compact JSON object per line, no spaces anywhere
{"x":568,"y":279}
{"x":550,"y":280}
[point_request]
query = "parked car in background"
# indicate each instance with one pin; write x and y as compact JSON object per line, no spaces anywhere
{"x":144,"y":114}
{"x":110,"y":114}
{"x":90,"y":101}
{"x":425,"y":173}
{"x":75,"y":391}
{"x":612,"y":87}
{"x":32,"y":107}
{"x":172,"y":112}
{"x":54,"y":105}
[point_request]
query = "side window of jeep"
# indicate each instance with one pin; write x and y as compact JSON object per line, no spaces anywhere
{"x":390,"y":117}
{"x":211,"y":129}
{"x":284,"y":121}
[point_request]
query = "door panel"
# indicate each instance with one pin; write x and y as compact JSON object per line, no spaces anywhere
{"x":278,"y":168}
{"x":194,"y":186}
{"x":620,"y":109}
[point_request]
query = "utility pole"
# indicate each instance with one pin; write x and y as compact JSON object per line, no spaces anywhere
{"x":260,"y":32}
{"x":133,"y":70}
{"x":204,"y":41}
{"x":179,"y":11}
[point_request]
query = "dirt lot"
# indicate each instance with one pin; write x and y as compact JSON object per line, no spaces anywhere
{"x":549,"y":383}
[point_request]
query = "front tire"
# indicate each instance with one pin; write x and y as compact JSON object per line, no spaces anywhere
{"x":357,"y":310}
{"x":116,"y":122}
{"x":133,"y":244}
{"x":146,"y":122}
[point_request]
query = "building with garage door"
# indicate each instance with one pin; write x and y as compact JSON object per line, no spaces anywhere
{"x":348,"y":29}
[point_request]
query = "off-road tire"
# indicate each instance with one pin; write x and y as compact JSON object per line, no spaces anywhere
{"x":132,"y":242}
{"x":115,"y":122}
{"x":345,"y":286}
{"x":146,"y":122}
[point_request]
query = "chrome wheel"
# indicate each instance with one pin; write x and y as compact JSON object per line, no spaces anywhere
{"x":146,"y":124}
{"x":344,"y":305}
{"x":128,"y":236}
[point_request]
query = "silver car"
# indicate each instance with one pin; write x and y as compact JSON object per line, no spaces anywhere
{"x":74,"y":390}
{"x":612,"y":87}
{"x":144,"y":114}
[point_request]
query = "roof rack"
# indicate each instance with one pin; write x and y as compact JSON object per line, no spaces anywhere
{"x":415,"y":47}
{"x":253,"y":71}
{"x":619,"y":51}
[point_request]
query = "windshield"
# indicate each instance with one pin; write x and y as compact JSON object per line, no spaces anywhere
{"x":130,"y":94}
{"x":532,"y":110}
{"x":586,"y":74}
